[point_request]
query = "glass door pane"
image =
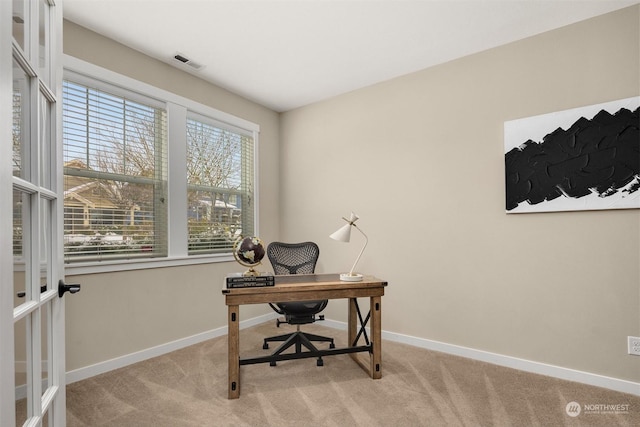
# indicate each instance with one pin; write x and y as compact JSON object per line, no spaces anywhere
{"x":18,"y":22}
{"x":45,"y":343}
{"x":46,"y":284}
{"x":44,"y":141}
{"x":45,"y":245}
{"x":43,"y":40}
{"x":20,"y":129}
{"x":20,"y":248}
{"x":21,"y":371}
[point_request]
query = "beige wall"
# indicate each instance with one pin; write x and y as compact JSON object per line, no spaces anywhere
{"x":421,"y":159}
{"x":124,"y":312}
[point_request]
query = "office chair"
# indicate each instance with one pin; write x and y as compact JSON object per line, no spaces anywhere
{"x":296,"y":258}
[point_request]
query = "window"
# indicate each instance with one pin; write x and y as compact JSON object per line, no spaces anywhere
{"x":219,"y":178}
{"x":151,"y":176}
{"x":114,"y":176}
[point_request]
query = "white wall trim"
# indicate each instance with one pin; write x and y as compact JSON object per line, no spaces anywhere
{"x":559,"y":372}
{"x":139,"y":356}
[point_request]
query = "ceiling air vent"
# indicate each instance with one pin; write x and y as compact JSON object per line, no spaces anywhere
{"x":186,"y":61}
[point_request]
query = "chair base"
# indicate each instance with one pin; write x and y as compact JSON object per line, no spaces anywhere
{"x":299,"y":339}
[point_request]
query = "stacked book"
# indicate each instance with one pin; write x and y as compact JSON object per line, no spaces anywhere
{"x":238,"y":280}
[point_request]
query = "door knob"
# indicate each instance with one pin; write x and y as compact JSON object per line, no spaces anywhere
{"x":71,"y":288}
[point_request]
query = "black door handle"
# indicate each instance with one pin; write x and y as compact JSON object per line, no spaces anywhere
{"x":72,"y":288}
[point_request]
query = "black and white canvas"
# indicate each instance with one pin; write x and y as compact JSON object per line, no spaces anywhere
{"x":580,"y":159}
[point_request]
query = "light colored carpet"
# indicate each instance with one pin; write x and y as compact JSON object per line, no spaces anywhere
{"x":418,"y":388}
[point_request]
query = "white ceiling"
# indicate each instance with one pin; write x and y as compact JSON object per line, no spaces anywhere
{"x":286,"y":54}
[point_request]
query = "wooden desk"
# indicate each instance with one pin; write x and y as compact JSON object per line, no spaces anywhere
{"x":308,"y":288}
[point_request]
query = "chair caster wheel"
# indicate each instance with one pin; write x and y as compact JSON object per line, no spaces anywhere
{"x":332,"y":345}
{"x":265,"y":346}
{"x":319,"y":362}
{"x":272,"y":363}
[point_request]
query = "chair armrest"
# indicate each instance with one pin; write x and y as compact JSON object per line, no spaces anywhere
{"x":276,"y":308}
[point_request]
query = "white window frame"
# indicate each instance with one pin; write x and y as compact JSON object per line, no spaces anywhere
{"x":177,"y":108}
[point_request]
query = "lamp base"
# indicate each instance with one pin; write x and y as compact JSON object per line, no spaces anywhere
{"x":355,"y":277}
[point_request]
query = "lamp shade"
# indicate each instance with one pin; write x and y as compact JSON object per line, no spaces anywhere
{"x":343,"y":234}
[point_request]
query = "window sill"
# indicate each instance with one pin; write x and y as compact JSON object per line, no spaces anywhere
{"x":120,"y":265}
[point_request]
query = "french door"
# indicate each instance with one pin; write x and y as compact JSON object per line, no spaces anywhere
{"x":32,"y":388}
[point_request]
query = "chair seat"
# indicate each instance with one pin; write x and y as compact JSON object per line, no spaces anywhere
{"x":304,"y":308}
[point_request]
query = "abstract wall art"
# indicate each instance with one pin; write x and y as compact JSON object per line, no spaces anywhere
{"x":580,"y":159}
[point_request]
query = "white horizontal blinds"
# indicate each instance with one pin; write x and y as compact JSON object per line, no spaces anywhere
{"x":114,"y":175}
{"x":220,"y":174}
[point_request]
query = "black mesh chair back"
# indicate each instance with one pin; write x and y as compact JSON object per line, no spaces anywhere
{"x":293,"y":258}
{"x":296,"y":258}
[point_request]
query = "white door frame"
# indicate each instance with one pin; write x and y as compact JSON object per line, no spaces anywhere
{"x":7,"y":375}
{"x":38,"y":55}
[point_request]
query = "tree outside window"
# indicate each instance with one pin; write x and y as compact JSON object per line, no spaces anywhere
{"x":219,"y":173}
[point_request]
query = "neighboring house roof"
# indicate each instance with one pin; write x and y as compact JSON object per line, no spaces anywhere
{"x":84,"y":191}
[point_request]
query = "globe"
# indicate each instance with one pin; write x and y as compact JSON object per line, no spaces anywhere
{"x":249,"y":251}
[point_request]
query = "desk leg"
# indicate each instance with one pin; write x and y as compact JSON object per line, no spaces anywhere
{"x":233,"y":352}
{"x":352,"y":325}
{"x":376,"y":337}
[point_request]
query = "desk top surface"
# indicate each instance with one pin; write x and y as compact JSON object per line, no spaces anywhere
{"x":308,"y":282}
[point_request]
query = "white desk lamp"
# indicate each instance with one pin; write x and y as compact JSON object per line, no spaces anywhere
{"x":344,"y":235}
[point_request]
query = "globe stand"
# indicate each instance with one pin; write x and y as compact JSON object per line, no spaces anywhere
{"x":251,"y":272}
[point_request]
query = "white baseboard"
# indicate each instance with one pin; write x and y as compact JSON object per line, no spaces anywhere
{"x":559,"y":372}
{"x":139,"y":356}
{"x":470,"y":353}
